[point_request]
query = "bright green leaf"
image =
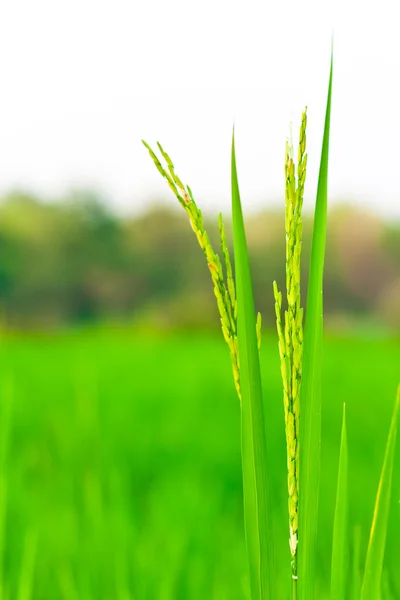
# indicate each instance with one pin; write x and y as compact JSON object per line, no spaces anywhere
{"x":356,"y":577}
{"x":376,"y":547}
{"x":256,"y":480}
{"x":310,"y":423}
{"x":340,"y":533}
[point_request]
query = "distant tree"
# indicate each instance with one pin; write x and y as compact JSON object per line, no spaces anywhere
{"x":74,"y":260}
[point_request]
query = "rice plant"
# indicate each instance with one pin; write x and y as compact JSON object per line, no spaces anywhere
{"x":301,"y":370}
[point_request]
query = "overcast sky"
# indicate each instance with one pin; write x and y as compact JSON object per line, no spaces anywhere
{"x":83,"y":81}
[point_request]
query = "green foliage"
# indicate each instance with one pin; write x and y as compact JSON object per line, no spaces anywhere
{"x":7,"y":398}
{"x":135,"y":478}
{"x":290,"y":334}
{"x":25,"y":587}
{"x":303,"y":435}
{"x":340,"y":548}
{"x":255,"y":461}
{"x":223,"y":284}
{"x":310,"y":427}
{"x":106,"y":525}
{"x":371,"y":586}
{"x":71,"y":260}
{"x":356,"y":571}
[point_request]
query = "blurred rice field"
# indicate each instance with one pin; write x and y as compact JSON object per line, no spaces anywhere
{"x":120,"y":463}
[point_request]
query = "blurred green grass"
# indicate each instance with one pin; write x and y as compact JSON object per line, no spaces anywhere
{"x":123,"y":463}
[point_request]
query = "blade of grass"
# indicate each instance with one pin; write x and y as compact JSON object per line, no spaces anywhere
{"x":5,"y":430}
{"x":377,"y":540}
{"x":67,"y":583}
{"x":387,"y":593}
{"x":310,"y":425}
{"x":340,"y":534}
{"x":257,"y":504}
{"x":356,"y":577}
{"x":25,"y":591}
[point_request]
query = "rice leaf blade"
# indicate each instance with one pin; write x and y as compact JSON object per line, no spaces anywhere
{"x":376,"y":547}
{"x":356,"y":576}
{"x":310,"y":424}
{"x":340,"y":531}
{"x":6,"y":418}
{"x":257,"y":504}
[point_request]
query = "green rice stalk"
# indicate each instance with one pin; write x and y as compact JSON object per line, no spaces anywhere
{"x":290,"y":332}
{"x":356,"y":560}
{"x":224,"y":287}
{"x":376,"y":547}
{"x":67,"y":583}
{"x":255,"y":460}
{"x":5,"y":429}
{"x":121,"y":573}
{"x":258,"y":522}
{"x":387,"y":592}
{"x":258,"y":330}
{"x":25,"y":589}
{"x":340,"y":533}
{"x":310,"y":430}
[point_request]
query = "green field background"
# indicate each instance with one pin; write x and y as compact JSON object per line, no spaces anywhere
{"x":121,"y":472}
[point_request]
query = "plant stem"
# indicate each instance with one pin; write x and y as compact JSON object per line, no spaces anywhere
{"x":294,"y":577}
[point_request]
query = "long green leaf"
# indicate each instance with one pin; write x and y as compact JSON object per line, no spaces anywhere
{"x":340,"y":533}
{"x":387,"y":593}
{"x":257,"y":511}
{"x":356,"y":576}
{"x":26,"y":578}
{"x":310,"y":423}
{"x":376,"y":547}
{"x":7,"y":399}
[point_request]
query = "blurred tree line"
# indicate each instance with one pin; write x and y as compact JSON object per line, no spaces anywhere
{"x":75,"y":261}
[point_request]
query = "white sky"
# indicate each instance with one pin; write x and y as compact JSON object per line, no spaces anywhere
{"x":83,"y":81}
